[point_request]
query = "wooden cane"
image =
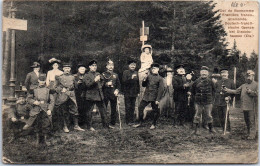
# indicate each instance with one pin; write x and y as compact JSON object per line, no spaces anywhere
{"x":119,"y":117}
{"x":226,"y":117}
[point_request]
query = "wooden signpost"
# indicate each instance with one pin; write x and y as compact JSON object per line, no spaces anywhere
{"x":17,"y":24}
{"x":144,"y":32}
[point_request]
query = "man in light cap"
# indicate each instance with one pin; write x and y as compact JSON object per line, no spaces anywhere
{"x":66,"y":99}
{"x":111,"y":90}
{"x":249,"y":94}
{"x":220,"y":96}
{"x":203,"y":90}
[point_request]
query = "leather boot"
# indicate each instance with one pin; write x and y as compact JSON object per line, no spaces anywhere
{"x":45,"y":140}
{"x":65,"y":127}
{"x":211,"y":129}
{"x":76,"y":124}
{"x":195,"y":131}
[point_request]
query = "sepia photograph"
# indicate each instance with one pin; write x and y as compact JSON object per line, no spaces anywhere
{"x":130,"y":82}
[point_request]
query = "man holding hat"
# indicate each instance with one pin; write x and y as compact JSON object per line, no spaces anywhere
{"x":111,"y":89}
{"x":220,"y":96}
{"x":18,"y":115}
{"x":40,"y":115}
{"x":249,"y":94}
{"x":80,"y":92}
{"x":181,"y":86}
{"x":66,"y":99}
{"x":94,"y":82}
{"x":31,"y":80}
{"x":131,"y":90}
{"x":203,"y":90}
{"x":153,"y":94}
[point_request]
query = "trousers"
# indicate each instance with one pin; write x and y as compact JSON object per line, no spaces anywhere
{"x":89,"y":104}
{"x":199,"y":109}
{"x":155,"y":108}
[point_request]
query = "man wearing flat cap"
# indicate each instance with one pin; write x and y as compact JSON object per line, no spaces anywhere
{"x":66,"y":99}
{"x":131,"y":90}
{"x":153,"y":94}
{"x":248,"y":96}
{"x":111,"y":89}
{"x":94,"y":82}
{"x":80,"y":92}
{"x":203,"y":90}
{"x":18,"y":115}
{"x":31,"y":80}
{"x":221,"y":95}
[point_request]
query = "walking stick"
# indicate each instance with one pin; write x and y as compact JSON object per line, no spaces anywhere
{"x":188,"y":100}
{"x":119,"y":117}
{"x":226,"y":117}
{"x":255,"y":114}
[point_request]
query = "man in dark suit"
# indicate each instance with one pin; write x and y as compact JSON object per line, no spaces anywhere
{"x":66,"y":99}
{"x":131,"y":90}
{"x":80,"y":92}
{"x":153,"y":94}
{"x":31,"y":80}
{"x":94,"y":82}
{"x":181,"y":87}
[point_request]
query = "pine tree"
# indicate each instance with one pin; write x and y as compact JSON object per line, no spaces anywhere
{"x":234,"y":56}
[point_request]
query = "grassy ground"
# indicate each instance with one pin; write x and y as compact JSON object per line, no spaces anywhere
{"x":165,"y":144}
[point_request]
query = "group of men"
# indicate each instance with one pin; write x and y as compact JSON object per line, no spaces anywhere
{"x":214,"y":92}
{"x":75,"y":96}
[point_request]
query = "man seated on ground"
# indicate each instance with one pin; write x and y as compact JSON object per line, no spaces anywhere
{"x":17,"y":116}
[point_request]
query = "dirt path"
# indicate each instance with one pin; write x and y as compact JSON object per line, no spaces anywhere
{"x":166,"y":144}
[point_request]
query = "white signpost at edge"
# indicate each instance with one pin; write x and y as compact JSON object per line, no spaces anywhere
{"x":12,"y":23}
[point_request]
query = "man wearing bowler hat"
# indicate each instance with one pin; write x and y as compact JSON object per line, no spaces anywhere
{"x":80,"y":92}
{"x":66,"y":99}
{"x":181,"y":87}
{"x":94,"y":82}
{"x":31,"y":80}
{"x":131,"y":90}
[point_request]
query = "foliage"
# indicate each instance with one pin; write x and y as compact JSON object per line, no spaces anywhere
{"x":79,"y":31}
